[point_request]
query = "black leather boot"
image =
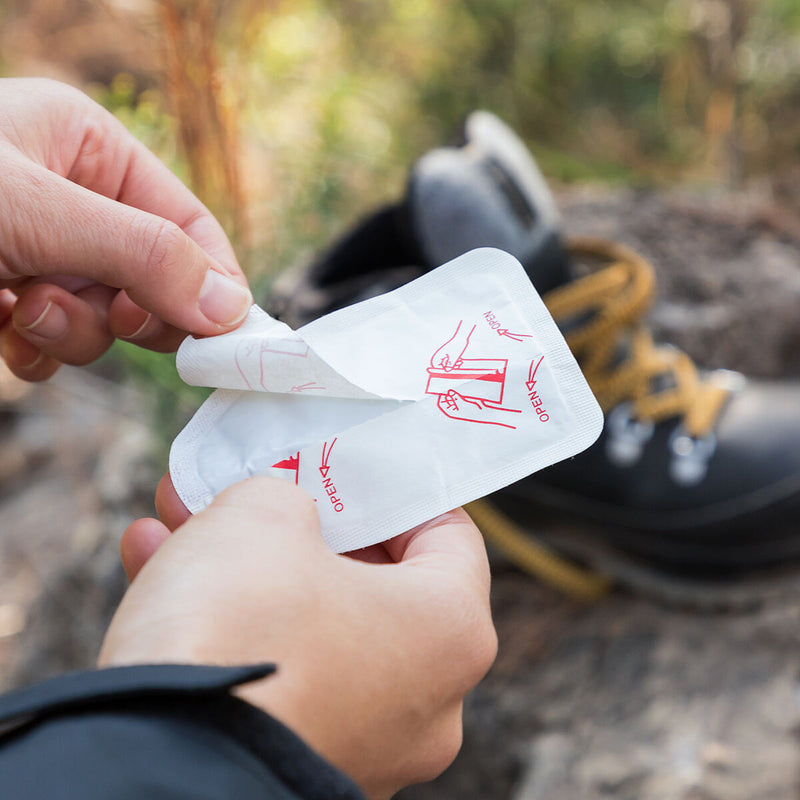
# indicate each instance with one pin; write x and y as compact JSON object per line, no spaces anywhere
{"x":695,"y":481}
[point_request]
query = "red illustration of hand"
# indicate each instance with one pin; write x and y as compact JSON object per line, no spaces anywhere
{"x":450,"y":355}
{"x":470,"y":409}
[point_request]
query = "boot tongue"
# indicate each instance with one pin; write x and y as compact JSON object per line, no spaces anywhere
{"x":488,"y":193}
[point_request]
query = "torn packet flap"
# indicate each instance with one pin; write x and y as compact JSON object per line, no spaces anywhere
{"x":394,"y":410}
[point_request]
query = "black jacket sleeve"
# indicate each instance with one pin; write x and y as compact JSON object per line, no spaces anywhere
{"x":163,"y":731}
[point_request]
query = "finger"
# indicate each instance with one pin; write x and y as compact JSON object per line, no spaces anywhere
{"x":131,"y":322}
{"x":447,"y":541}
{"x":122,"y":319}
{"x":170,"y":508}
{"x":70,"y":328}
{"x":63,"y":228}
{"x":25,"y":360}
{"x":70,"y":283}
{"x":140,"y":541}
{"x":7,"y":302}
{"x":112,"y":162}
{"x":80,"y":140}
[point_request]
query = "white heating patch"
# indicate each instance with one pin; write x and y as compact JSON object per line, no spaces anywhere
{"x":394,"y":410}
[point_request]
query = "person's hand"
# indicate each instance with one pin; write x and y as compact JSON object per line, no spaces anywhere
{"x":374,"y":659}
{"x":98,"y":238}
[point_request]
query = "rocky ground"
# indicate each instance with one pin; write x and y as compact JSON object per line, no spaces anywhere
{"x":623,"y":698}
{"x":76,"y":468}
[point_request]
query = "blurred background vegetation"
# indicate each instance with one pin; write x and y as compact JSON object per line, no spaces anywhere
{"x":289,"y":118}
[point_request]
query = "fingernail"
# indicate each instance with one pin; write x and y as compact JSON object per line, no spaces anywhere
{"x":36,"y":361}
{"x":139,"y":329}
{"x":224,"y":301}
{"x":52,"y":323}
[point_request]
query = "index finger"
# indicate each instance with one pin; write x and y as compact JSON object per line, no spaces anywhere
{"x":115,"y":164}
{"x":63,"y":227}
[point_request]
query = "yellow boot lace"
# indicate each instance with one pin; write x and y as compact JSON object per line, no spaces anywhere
{"x":600,"y":312}
{"x":659,"y":381}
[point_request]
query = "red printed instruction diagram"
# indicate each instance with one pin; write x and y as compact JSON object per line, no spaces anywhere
{"x":453,"y":365}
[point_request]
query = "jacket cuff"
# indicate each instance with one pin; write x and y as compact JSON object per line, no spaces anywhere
{"x":173,"y":698}
{"x":94,"y":687}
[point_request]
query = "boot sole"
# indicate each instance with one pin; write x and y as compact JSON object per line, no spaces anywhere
{"x":706,"y":593}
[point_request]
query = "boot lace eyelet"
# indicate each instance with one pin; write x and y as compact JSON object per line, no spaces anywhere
{"x":690,"y":456}
{"x":626,"y":435}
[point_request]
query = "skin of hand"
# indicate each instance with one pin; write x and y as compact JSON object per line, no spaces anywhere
{"x":375,"y":650}
{"x":98,"y":239}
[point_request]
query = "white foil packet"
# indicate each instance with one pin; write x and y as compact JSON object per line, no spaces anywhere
{"x":394,"y":410}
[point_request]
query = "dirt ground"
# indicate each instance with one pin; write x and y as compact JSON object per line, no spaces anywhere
{"x":623,"y":698}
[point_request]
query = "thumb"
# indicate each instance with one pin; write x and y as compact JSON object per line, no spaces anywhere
{"x":450,"y":543}
{"x":264,"y":517}
{"x":64,"y":228}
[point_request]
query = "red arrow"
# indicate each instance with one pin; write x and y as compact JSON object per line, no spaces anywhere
{"x":326,"y":454}
{"x":531,"y":382}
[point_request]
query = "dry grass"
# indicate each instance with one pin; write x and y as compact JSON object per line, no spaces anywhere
{"x":205,"y":112}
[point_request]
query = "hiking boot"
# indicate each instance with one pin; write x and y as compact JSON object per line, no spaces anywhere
{"x":695,"y":480}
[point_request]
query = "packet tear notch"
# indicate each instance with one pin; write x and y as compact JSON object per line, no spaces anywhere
{"x":394,"y":410}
